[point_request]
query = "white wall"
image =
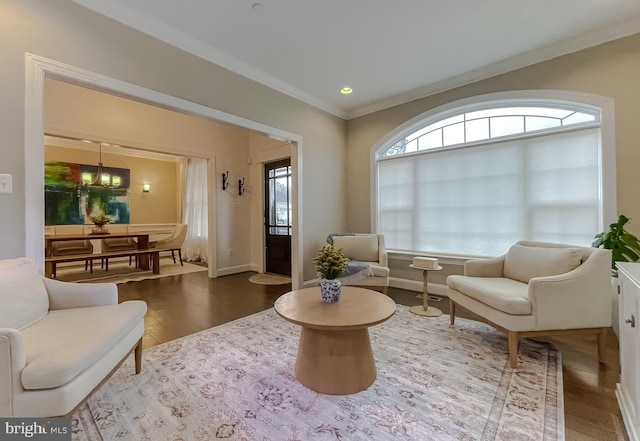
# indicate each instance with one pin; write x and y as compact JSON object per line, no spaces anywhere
{"x":62,"y":31}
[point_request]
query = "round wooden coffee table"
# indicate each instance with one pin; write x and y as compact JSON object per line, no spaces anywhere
{"x":334,"y":353}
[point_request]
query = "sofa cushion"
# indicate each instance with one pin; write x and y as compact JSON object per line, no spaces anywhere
{"x":363,"y":248}
{"x":23,"y":297}
{"x":506,"y":295}
{"x":523,"y":263}
{"x":88,"y":332}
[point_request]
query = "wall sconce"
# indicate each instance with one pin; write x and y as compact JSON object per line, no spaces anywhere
{"x":146,"y":188}
{"x":225,"y":180}
{"x":241,"y":186}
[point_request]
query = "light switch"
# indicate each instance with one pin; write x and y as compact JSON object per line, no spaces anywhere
{"x":6,"y":184}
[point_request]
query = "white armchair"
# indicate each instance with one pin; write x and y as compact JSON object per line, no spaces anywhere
{"x":536,"y":289}
{"x":370,"y":249}
{"x":59,"y":341}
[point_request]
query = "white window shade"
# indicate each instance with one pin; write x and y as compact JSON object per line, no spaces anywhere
{"x":479,"y":200}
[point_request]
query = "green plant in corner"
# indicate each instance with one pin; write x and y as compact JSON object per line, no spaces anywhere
{"x":330,"y":262}
{"x":624,"y":246}
{"x":101,"y":220}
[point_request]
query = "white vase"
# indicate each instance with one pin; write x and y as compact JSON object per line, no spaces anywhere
{"x":330,"y":290}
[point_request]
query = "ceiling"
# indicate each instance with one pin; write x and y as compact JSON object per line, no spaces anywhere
{"x":388,"y":52}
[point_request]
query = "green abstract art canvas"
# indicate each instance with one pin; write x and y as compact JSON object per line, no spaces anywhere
{"x":71,"y":200}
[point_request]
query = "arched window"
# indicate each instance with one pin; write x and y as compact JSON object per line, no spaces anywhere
{"x":476,"y":178}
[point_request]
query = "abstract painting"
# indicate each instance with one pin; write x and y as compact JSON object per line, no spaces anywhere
{"x":71,"y":200}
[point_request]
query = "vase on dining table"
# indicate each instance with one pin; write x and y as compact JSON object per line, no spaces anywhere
{"x":330,"y":290}
{"x":99,"y":229}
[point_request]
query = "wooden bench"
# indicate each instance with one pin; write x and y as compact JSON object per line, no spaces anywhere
{"x":50,"y":262}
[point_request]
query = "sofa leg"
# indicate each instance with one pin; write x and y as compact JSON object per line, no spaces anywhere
{"x":452,"y":312}
{"x":138,"y":356}
{"x":513,"y":349}
{"x":385,"y":290}
{"x":602,"y":336}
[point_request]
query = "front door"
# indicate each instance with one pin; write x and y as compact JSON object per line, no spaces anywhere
{"x":278,"y":216}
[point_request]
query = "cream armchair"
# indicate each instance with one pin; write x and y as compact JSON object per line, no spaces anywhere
{"x":59,"y":341}
{"x":370,"y":249}
{"x":174,"y":242}
{"x":536,"y":289}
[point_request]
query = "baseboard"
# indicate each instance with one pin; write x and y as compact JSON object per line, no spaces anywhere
{"x":234,"y":270}
{"x":395,"y":282}
{"x":415,"y":285}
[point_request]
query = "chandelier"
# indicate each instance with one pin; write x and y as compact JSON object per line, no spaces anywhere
{"x":102,"y":177}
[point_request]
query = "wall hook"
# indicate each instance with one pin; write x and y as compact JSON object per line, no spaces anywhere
{"x":225,"y":180}
{"x":241,"y":186}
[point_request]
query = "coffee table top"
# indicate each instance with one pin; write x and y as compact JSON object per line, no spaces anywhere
{"x":357,"y":308}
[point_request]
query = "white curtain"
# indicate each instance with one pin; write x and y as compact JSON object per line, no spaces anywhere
{"x":195,"y":213}
{"x":480,"y":200}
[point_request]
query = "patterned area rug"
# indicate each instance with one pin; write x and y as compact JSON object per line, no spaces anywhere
{"x":236,"y":382}
{"x":121,"y":272}
{"x":269,"y":279}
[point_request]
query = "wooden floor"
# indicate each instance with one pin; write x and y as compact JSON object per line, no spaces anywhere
{"x":182,"y":305}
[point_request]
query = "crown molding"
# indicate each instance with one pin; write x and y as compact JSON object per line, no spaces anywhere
{"x":130,"y":17}
{"x":564,"y":47}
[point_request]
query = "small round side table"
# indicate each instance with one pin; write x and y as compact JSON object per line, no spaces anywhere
{"x":425,"y":310}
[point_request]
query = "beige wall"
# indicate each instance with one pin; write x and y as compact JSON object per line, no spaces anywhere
{"x":157,"y":206}
{"x":609,"y":70}
{"x":65,"y":32}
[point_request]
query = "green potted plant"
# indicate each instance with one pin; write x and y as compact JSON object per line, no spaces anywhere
{"x":624,"y":246}
{"x":330,"y":262}
{"x":100,"y":221}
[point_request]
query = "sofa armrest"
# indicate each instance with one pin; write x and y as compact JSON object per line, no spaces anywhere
{"x":66,"y":295}
{"x":580,"y":298}
{"x":484,"y":267}
{"x":12,"y":362}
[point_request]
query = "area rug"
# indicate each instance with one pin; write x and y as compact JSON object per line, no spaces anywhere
{"x":236,"y":381}
{"x":269,"y":279}
{"x":121,"y":272}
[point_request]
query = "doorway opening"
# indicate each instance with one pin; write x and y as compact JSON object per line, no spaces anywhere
{"x":38,"y":69}
{"x":278,"y":216}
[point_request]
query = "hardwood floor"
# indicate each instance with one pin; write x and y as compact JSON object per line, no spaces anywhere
{"x":182,"y":305}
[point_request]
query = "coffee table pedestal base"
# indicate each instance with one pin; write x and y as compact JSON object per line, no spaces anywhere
{"x":429,"y":312}
{"x":335,"y":362}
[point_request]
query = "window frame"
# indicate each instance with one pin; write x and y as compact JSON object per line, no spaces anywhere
{"x":539,"y":98}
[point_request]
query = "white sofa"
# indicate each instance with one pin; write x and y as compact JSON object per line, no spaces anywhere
{"x":536,"y":289}
{"x":370,"y":249}
{"x":59,"y":341}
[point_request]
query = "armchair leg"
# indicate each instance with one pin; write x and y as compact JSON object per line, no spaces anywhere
{"x":452,"y":312}
{"x":513,"y":349}
{"x":138,"y":356}
{"x":180,"y":256}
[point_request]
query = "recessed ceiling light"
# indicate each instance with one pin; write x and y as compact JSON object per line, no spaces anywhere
{"x":346,"y":90}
